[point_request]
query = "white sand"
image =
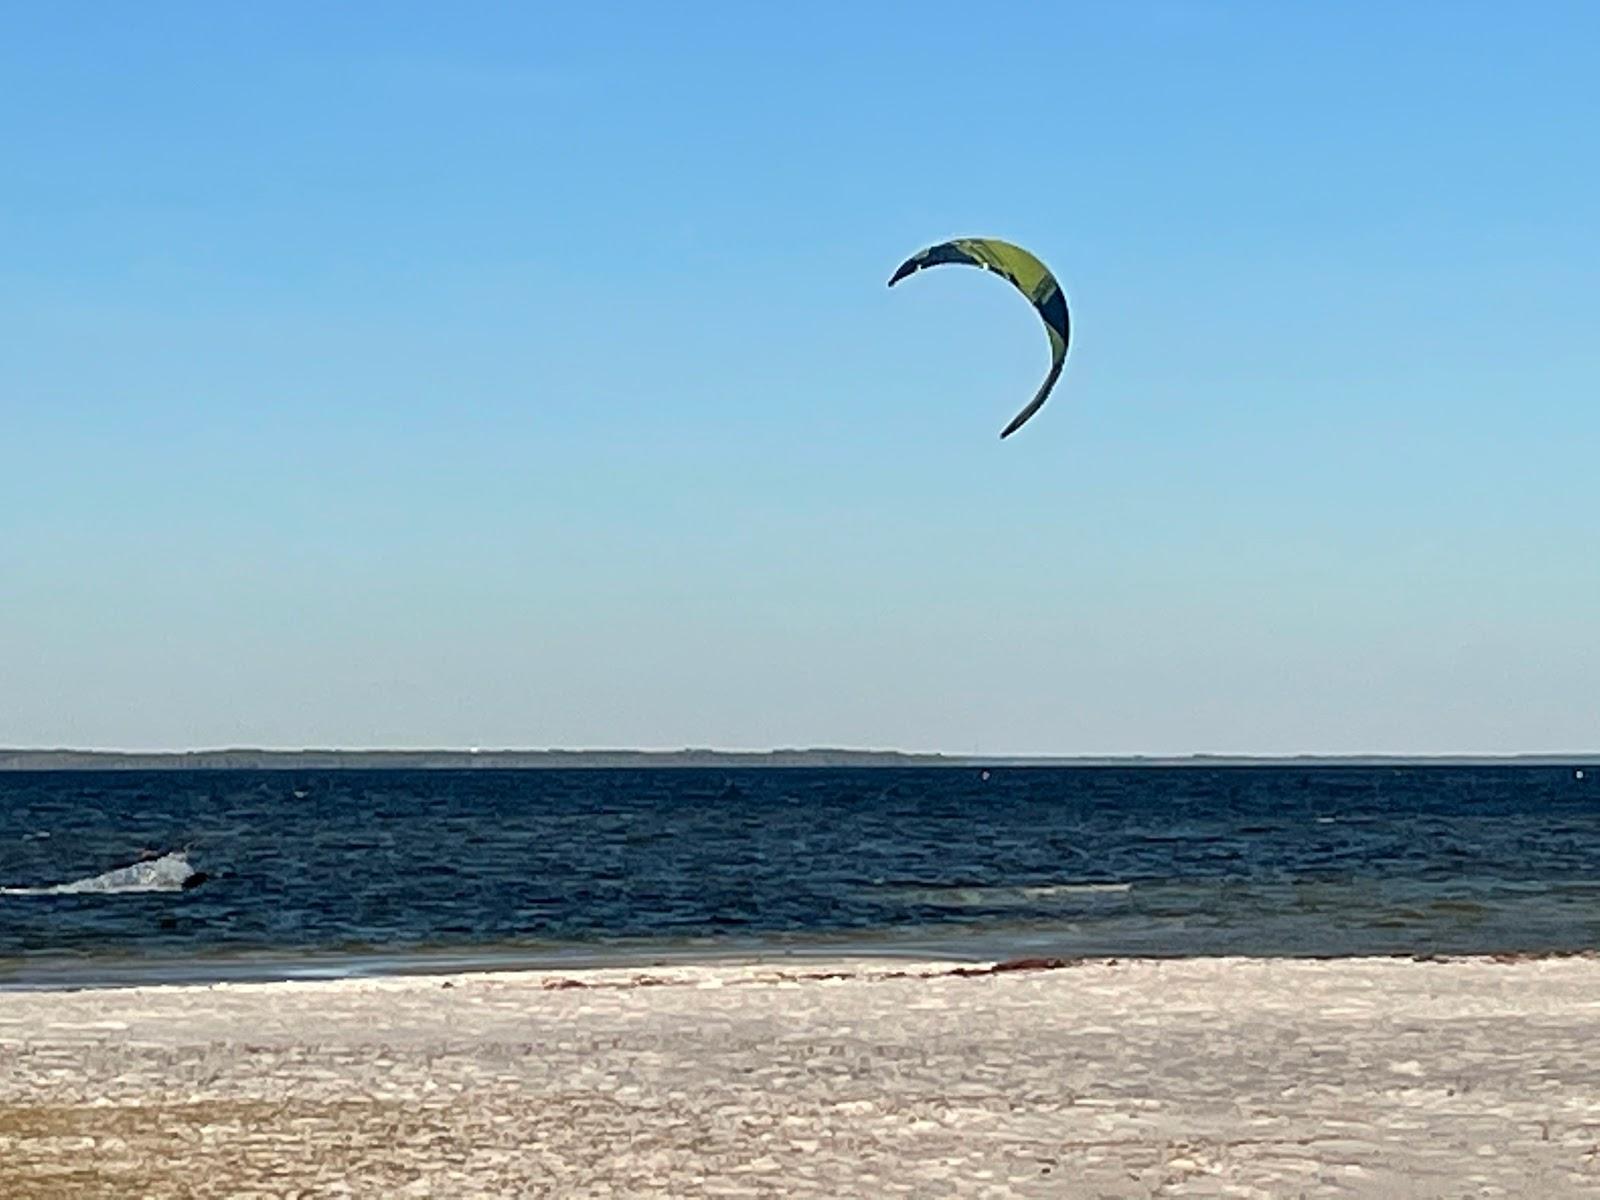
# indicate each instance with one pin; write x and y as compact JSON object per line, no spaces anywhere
{"x":1220,"y":1077}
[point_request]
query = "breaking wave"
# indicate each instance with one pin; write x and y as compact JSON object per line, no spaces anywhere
{"x":1023,"y":896}
{"x":168,"y":873}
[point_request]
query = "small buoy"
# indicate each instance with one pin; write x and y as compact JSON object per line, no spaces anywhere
{"x":1577,"y":774}
{"x":984,"y":776}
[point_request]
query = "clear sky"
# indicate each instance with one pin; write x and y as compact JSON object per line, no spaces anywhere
{"x":524,"y":375}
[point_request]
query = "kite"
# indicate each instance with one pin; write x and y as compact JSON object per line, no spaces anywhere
{"x":1025,"y":273}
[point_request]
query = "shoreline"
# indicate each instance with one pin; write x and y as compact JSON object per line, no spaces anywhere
{"x":658,"y":967}
{"x":1376,"y":1076}
{"x":652,"y":965}
{"x":253,"y":758}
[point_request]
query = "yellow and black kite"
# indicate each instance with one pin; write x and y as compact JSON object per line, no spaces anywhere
{"x":1025,"y":273}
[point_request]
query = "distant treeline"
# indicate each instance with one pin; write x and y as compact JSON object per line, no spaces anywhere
{"x":523,"y":760}
{"x":414,"y":760}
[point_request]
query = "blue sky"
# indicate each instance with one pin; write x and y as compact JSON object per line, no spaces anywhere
{"x":506,"y":376}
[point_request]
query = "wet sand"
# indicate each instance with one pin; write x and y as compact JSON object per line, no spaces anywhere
{"x":1200,"y":1077}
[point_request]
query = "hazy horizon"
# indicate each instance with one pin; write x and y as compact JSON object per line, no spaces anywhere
{"x":1580,"y":756}
{"x":508,"y":376}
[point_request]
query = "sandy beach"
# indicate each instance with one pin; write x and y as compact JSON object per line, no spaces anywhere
{"x":1206,"y":1077}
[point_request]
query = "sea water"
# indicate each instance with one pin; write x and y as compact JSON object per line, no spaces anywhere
{"x":339,"y":872}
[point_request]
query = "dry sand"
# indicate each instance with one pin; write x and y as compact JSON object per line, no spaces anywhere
{"x":1219,"y":1077}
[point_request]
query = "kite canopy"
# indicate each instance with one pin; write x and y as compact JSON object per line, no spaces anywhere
{"x":1025,"y":273}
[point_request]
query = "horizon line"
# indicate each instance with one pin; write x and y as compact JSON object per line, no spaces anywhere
{"x":15,"y":756}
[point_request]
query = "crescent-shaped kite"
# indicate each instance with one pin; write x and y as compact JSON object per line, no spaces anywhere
{"x":1025,"y":273}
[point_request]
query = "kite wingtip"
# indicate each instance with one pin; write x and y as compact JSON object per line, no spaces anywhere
{"x":904,"y":269}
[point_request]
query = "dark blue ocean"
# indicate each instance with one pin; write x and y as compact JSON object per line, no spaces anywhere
{"x":327,"y":873}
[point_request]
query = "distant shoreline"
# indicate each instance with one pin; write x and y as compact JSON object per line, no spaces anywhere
{"x":245,"y":759}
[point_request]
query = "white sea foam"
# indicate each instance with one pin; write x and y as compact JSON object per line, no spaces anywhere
{"x":1075,"y":889}
{"x":165,"y":874}
{"x":1001,"y":897}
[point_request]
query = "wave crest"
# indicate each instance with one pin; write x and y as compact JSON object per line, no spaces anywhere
{"x":168,"y":873}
